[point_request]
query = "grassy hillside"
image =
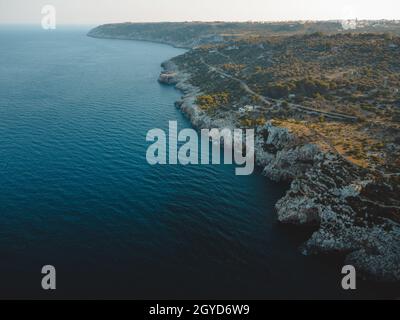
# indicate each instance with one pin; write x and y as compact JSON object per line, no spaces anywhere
{"x":344,"y":87}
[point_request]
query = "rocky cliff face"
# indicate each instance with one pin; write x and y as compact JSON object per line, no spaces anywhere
{"x":178,"y":35}
{"x":168,"y":77}
{"x":112,"y":32}
{"x":356,"y":212}
{"x":339,"y":198}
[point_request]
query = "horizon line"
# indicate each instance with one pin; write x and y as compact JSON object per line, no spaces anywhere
{"x":203,"y":21}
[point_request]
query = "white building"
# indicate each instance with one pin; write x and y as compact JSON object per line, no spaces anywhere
{"x":247,"y":108}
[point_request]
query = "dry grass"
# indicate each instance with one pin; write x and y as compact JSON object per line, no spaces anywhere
{"x":351,"y":141}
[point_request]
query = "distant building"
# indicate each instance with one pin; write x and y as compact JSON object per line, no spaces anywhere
{"x":247,"y":108}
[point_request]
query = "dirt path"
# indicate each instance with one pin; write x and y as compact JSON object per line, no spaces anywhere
{"x":269,"y":101}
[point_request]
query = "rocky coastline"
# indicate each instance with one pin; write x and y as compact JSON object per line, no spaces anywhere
{"x":355,"y":212}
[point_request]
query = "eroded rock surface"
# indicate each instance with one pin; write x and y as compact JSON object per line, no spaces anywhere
{"x":356,"y":212}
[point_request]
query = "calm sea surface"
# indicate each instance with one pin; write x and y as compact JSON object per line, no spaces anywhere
{"x":76,"y":191}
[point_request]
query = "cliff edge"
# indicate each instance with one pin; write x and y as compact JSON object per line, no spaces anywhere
{"x":357,"y":213}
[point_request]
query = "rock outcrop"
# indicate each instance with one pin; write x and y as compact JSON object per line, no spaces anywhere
{"x":356,"y":212}
{"x":168,"y":78}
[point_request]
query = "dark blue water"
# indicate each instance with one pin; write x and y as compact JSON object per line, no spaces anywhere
{"x":76,"y":191}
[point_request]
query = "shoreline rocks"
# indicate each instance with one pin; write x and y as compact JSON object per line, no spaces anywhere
{"x":168,"y":78}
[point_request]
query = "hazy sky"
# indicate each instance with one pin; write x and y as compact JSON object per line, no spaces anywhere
{"x":103,"y":11}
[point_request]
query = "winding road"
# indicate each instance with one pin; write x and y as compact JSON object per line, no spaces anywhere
{"x":269,"y":101}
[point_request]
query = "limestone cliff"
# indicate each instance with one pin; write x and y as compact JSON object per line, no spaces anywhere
{"x":356,"y":212}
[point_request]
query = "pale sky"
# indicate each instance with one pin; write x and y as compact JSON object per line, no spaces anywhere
{"x":106,"y":11}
